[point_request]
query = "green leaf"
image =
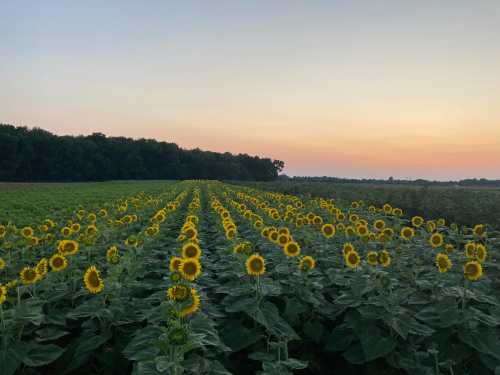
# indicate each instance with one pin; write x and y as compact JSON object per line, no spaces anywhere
{"x":339,"y":339}
{"x":9,"y":362}
{"x":375,"y":346}
{"x":142,"y":347}
{"x":238,"y":337}
{"x":40,"y":355}
{"x":49,"y":333}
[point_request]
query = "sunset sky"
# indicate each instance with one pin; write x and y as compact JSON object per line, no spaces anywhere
{"x":341,"y":88}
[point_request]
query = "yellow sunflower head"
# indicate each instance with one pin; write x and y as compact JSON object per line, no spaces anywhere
{"x":65,"y":231}
{"x":328,"y":230}
{"x":255,"y":265}
{"x":449,"y":248}
{"x":27,"y":232}
{"x":384,"y":258}
{"x":292,"y":249}
{"x":190,"y":268}
{"x":352,"y":259}
{"x":473,"y":270}
{"x":307,"y":263}
{"x":2,"y":264}
{"x":347,"y":248}
{"x":481,"y":252}
{"x":58,"y":262}
{"x":443,"y":262}
{"x":470,"y":249}
{"x":42,"y":267}
{"x":29,"y":275}
{"x":417,"y":221}
{"x":93,"y":281}
{"x":193,"y":306}
{"x":178,"y":293}
{"x":191,"y":250}
{"x":436,"y":240}
{"x":283,"y":239}
{"x":362,"y":230}
{"x":407,"y":233}
{"x":372,"y":258}
{"x":174,"y":264}
{"x":479,"y":230}
{"x":379,"y":225}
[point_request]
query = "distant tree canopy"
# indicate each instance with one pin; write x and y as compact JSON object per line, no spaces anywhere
{"x":38,"y":155}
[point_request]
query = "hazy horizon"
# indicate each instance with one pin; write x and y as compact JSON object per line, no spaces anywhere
{"x":344,"y":89}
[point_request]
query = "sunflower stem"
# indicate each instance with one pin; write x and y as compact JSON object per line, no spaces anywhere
{"x":4,"y":328}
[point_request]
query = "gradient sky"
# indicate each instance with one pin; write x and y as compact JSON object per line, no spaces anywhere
{"x":340,"y":88}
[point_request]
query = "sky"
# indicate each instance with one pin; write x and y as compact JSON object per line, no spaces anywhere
{"x":364,"y":89}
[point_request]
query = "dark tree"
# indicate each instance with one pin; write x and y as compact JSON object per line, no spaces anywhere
{"x":38,"y":155}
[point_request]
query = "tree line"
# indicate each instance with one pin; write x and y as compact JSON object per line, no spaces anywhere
{"x":38,"y":155}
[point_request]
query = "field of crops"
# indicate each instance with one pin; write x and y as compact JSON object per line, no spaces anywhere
{"x":202,"y":277}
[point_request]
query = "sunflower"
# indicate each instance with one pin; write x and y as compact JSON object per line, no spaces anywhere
{"x":384,"y":258}
{"x":307,"y":263}
{"x":175,"y":262}
{"x":340,"y":227}
{"x":284,"y":230}
{"x":191,"y":250}
{"x":350,"y":231}
{"x":449,"y":248}
{"x":352,"y":259}
{"x":318,"y":220}
{"x":65,"y":231}
{"x":379,"y":225}
{"x":190,"y":268}
{"x":58,"y":262}
{"x":68,"y":247}
{"x":387,"y":208}
{"x":264,"y":233}
{"x":292,"y":249}
{"x":407,"y":233}
{"x":93,"y":281}
{"x":417,"y":221}
{"x":255,"y":265}
{"x":397,"y":212}
{"x":239,"y":248}
{"x":258,"y":224}
{"x":131,"y":241}
{"x":431,"y":226}
{"x":273,"y":235}
{"x":152,"y":231}
{"x":3,"y":231}
{"x":42,"y":267}
{"x":27,"y":232}
{"x":2,"y":264}
{"x":479,"y":230}
{"x":191,"y":232}
{"x":481,"y":252}
{"x":473,"y":270}
{"x":91,"y":230}
{"x":29,"y":275}
{"x":328,"y":230}
{"x":436,"y":240}
{"x":353,"y":218}
{"x":362,"y":230}
{"x":443,"y":263}
{"x":75,"y":228}
{"x":178,"y":293}
{"x":193,"y":307}
{"x":372,"y":258}
{"x":112,"y":255}
{"x":347,"y":248}
{"x":470,"y":249}
{"x":3,"y":293}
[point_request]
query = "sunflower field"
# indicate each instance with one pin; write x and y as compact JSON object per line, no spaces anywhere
{"x":204,"y":277}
